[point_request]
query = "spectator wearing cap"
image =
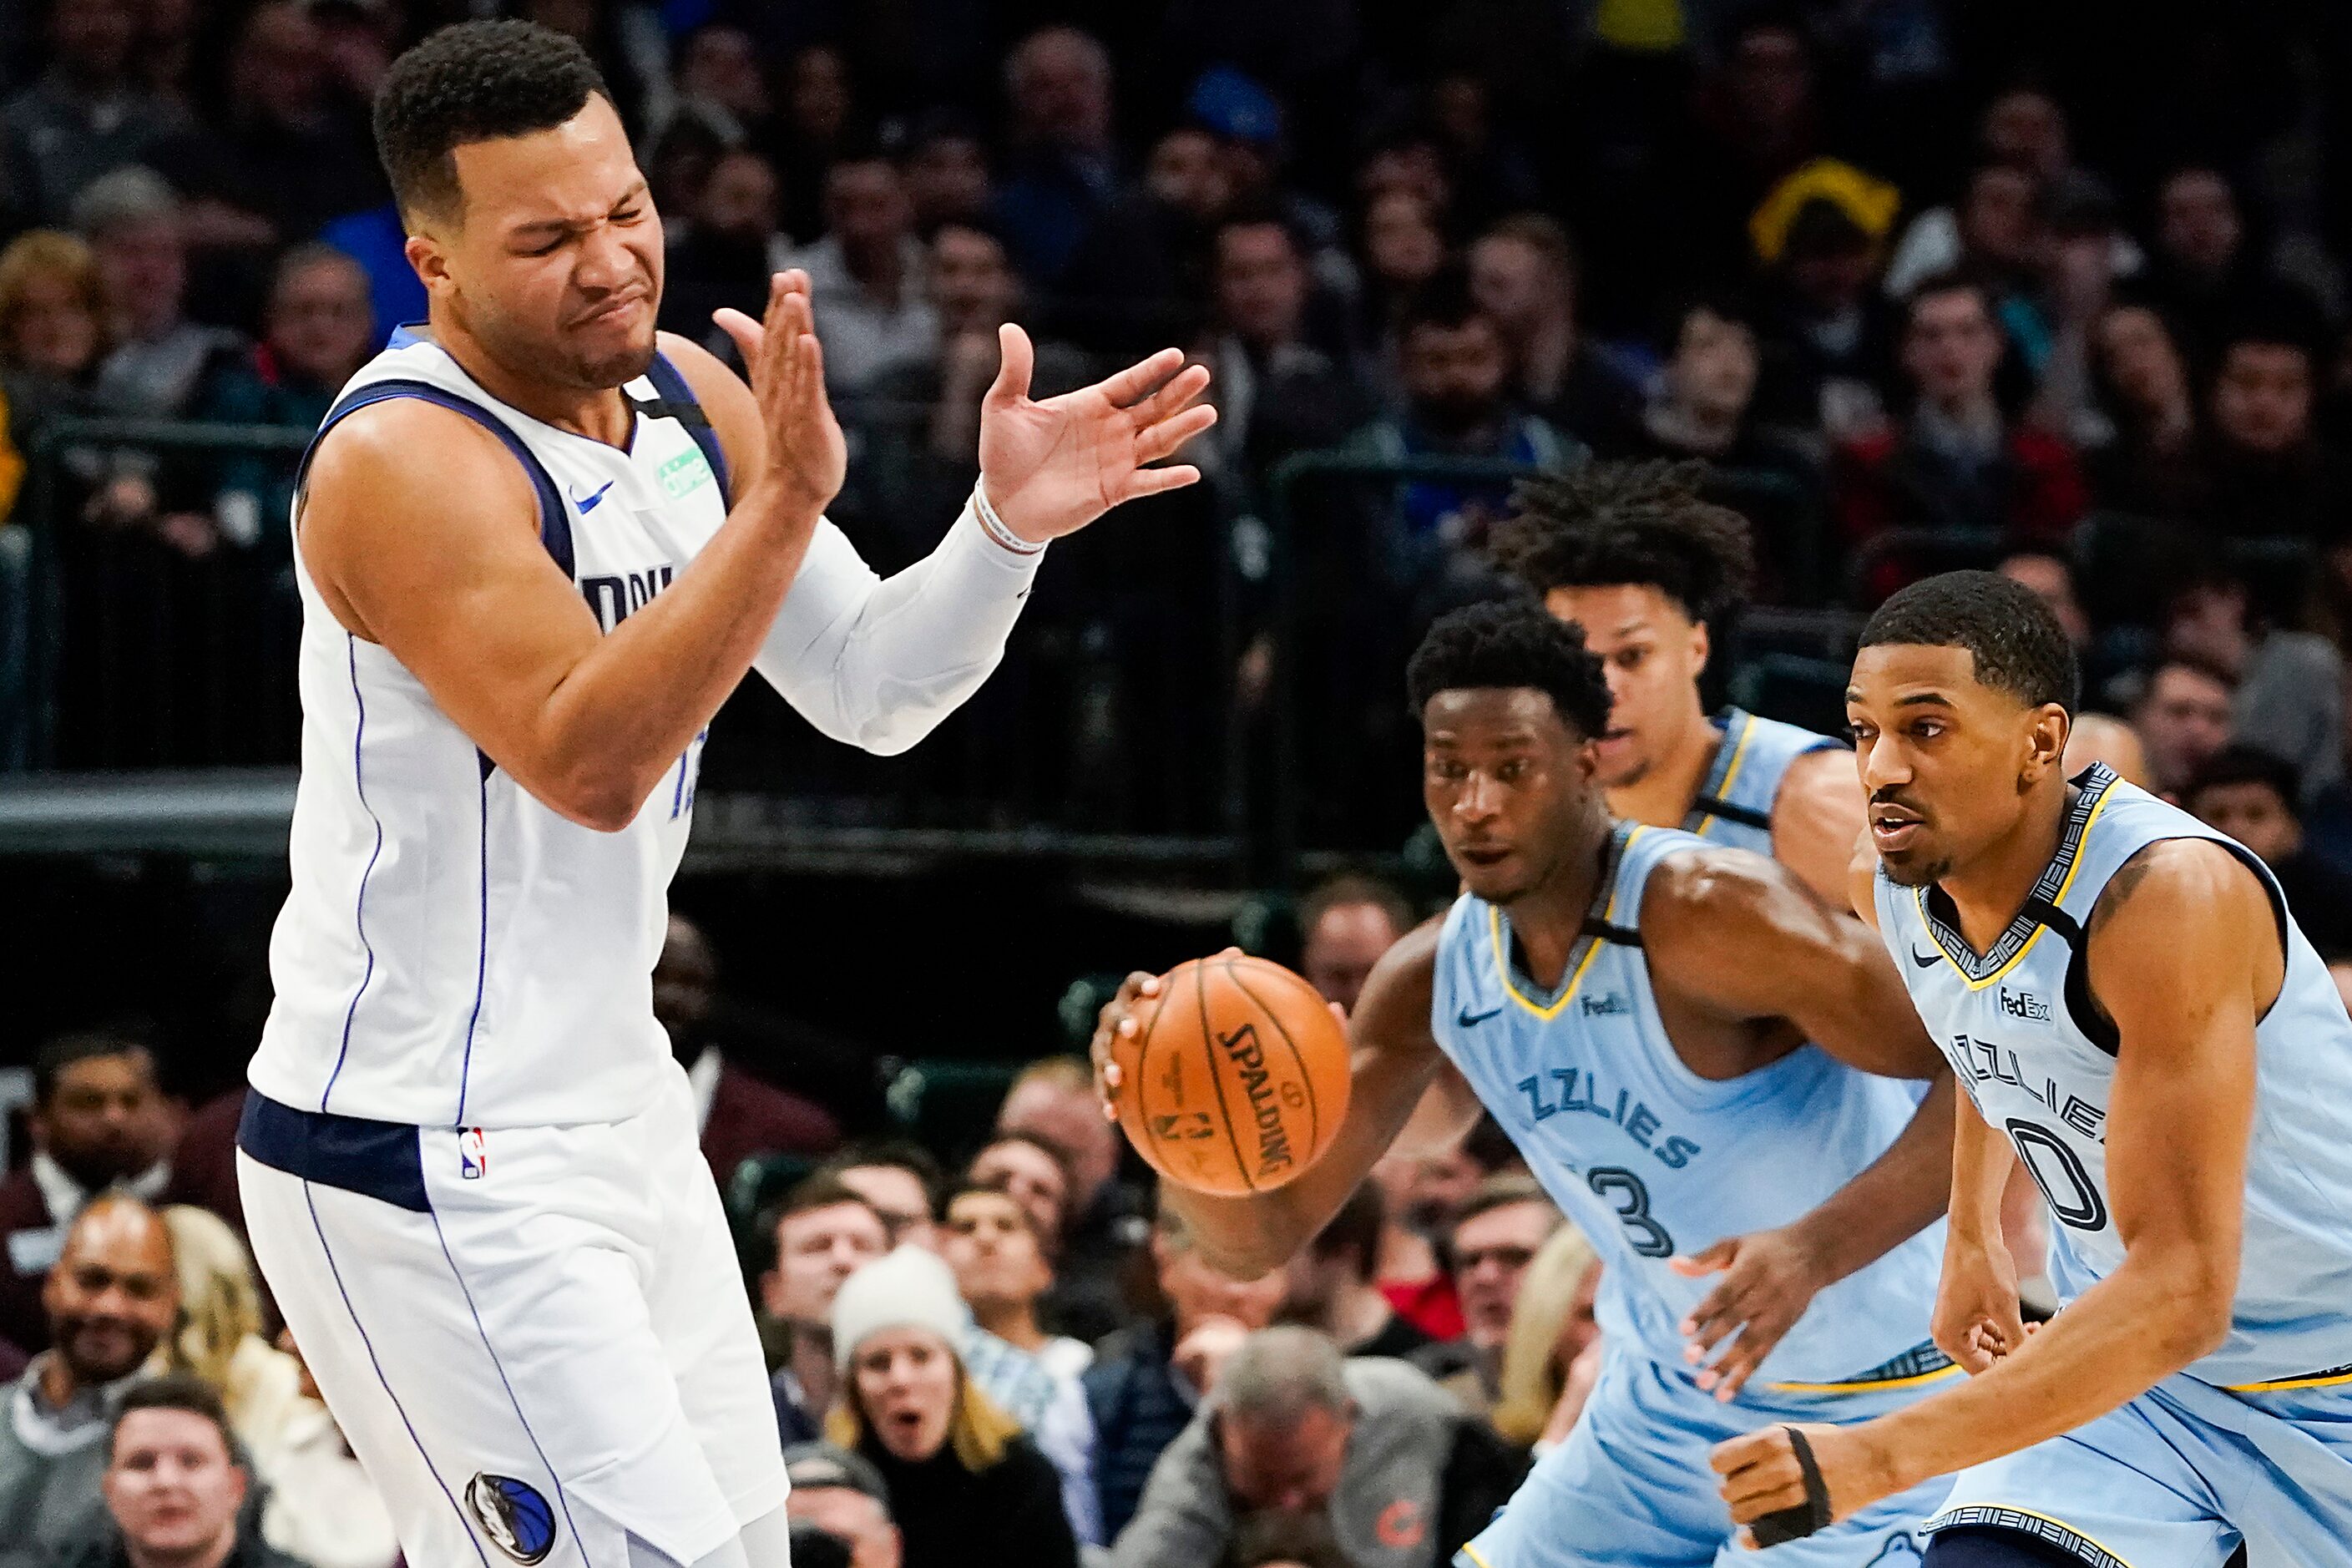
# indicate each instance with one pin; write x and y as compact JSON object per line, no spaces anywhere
{"x":2254,"y":797}
{"x":1397,"y":1471}
{"x":824,"y":1232}
{"x":1956,"y":460}
{"x":175,"y":1487}
{"x":837,"y":1493}
{"x":1522,"y":276}
{"x":1245,"y":121}
{"x":86,"y":115}
{"x":110,"y":1302}
{"x":1496,"y":1236}
{"x":100,"y":1123}
{"x":865,"y":277}
{"x":1147,"y":1379}
{"x":1828,"y":334}
{"x":967,"y":1489}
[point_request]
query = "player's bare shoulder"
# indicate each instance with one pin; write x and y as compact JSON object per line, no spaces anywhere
{"x":2179,"y":902}
{"x":1394,"y":1010}
{"x":1815,"y":818}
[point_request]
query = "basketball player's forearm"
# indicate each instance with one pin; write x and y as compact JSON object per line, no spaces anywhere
{"x":1981,"y":1161}
{"x":1895,"y":1197}
{"x":2120,"y":1339}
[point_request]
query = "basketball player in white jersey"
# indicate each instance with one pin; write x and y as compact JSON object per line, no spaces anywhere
{"x":537,"y":545}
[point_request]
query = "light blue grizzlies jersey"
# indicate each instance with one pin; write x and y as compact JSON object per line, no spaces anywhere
{"x":1651,"y":1160}
{"x":2040,"y":1062}
{"x":1733,"y":804}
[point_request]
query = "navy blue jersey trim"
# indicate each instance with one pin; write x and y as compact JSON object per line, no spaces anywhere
{"x":377,"y":1160}
{"x":1708,"y":806}
{"x":554,"y":514}
{"x":679,"y":403}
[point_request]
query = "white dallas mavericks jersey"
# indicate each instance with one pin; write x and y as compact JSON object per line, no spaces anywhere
{"x":2039,"y":1061}
{"x":1652,"y":1160}
{"x":1733,"y":804}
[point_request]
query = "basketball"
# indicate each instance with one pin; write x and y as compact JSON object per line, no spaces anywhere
{"x":1236,"y":1076}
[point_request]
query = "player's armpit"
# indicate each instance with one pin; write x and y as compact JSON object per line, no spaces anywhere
{"x":1394,"y":1058}
{"x":1449,"y":1109}
{"x":1816,"y":819}
{"x":1737,"y":932}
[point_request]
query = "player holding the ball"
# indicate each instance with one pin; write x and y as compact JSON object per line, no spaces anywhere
{"x":1702,"y":1065}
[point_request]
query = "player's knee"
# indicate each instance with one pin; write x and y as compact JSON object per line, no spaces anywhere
{"x":1978,"y":1546}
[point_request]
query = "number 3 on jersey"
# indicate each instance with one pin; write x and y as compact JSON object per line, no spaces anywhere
{"x":1625,"y":1193}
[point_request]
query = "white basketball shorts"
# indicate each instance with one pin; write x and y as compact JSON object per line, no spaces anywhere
{"x":537,"y":1340}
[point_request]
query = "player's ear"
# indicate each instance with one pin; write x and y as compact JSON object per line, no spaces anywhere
{"x":430,"y":259}
{"x":1702,"y":646}
{"x":2045,"y":737}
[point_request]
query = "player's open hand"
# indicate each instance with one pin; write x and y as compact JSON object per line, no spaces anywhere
{"x":807,"y":458}
{"x":1761,"y":1474}
{"x":1769,"y":1277}
{"x":1977,"y":1320}
{"x":1050,"y":468}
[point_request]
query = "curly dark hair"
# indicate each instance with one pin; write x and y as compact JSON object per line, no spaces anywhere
{"x":1642,"y":524}
{"x":475,"y":81}
{"x":2017,"y":644}
{"x":1510,"y":644}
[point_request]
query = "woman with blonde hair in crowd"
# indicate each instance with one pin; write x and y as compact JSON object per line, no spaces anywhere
{"x":967,"y":1489}
{"x":319,"y":1504}
{"x":1553,"y":1353}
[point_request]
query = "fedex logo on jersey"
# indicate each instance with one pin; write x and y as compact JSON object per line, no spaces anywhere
{"x":473,"y":1153}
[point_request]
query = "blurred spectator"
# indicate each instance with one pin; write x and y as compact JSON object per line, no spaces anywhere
{"x":1490,"y":171}
{"x":2203,"y":273}
{"x":947,"y":174}
{"x":720,"y":84}
{"x":1149,"y":1378}
{"x":375,"y":238}
{"x":1332,"y":1283}
{"x":1551,"y":1357}
{"x":2023,"y":134}
{"x":1703,"y":403}
{"x":823,"y":1233}
{"x":1496,"y":1235}
{"x":1828,"y":336}
{"x":2149,"y":462}
{"x":1054,"y":1101}
{"x":108,"y":1303}
{"x":1401,"y":250}
{"x":1140,"y":277}
{"x":1276,"y":392}
{"x":1032,"y":1173}
{"x":839,"y":1494}
{"x":2269,"y":474}
{"x":741,"y":1117}
{"x":318,"y":332}
{"x":1454,"y":367}
{"x":966,"y":1487}
{"x":1956,"y":461}
{"x":98,"y":1123}
{"x":86,"y":115}
{"x":176,"y":1485}
{"x":726,"y":251}
{"x":1756,"y":119}
{"x":1419,"y":1194}
{"x":2288,"y":687}
{"x":1246,"y":122}
{"x":2253,"y":797}
{"x":1002,"y":1269}
{"x":1401,"y":1476}
{"x":320,"y":1505}
{"x":1345,"y":923}
{"x":2104,"y":738}
{"x":819,"y":125}
{"x":1523,"y":276}
{"x":865,"y":277}
{"x":2052,"y":579}
{"x":289,"y":152}
{"x":901,"y":1180}
{"x":161,"y":360}
{"x":2183,"y":715}
{"x":1063,"y":173}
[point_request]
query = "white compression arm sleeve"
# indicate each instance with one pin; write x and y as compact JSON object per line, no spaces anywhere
{"x":877,"y":662}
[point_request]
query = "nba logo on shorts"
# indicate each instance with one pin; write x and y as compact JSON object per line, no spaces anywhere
{"x":513,"y":1515}
{"x":473,"y":1153}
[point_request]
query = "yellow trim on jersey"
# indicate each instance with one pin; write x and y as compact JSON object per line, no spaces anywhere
{"x":1880,"y":1386}
{"x":1551,"y":1010}
{"x":2284,"y":1385}
{"x":1738,"y":755}
{"x":1472,"y":1552}
{"x":1919,"y":898}
{"x":1931,"y":1526}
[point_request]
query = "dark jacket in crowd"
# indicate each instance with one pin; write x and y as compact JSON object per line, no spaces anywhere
{"x":1007,"y":1516}
{"x":1140,"y":1405}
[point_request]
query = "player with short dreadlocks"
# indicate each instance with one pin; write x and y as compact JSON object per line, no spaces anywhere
{"x":1637,"y":556}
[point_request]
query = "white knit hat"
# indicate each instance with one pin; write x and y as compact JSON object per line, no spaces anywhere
{"x":911,"y":1289}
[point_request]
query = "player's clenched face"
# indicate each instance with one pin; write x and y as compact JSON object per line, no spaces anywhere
{"x":1652,"y":652}
{"x":1507,"y":785}
{"x":1946,"y":761}
{"x":554,"y":261}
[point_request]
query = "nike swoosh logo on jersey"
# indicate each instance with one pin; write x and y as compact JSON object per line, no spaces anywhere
{"x":1926,"y":960}
{"x":1469,"y":1020}
{"x":589,"y":504}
